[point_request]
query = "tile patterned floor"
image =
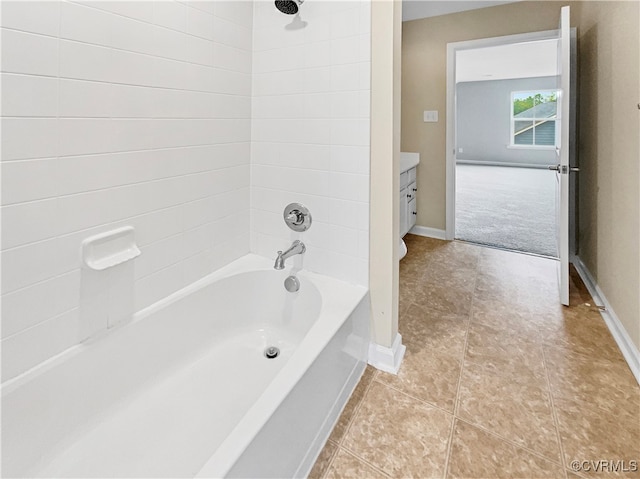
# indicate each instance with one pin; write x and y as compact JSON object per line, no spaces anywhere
{"x":498,"y":381}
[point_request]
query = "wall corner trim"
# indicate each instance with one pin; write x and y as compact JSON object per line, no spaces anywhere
{"x":387,"y":359}
{"x":627,"y":347}
{"x":428,"y":232}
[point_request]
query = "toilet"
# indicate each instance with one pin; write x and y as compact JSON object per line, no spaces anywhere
{"x":402,"y":249}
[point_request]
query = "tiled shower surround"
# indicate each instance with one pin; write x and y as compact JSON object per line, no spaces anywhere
{"x":310,"y":132}
{"x":194,"y":122}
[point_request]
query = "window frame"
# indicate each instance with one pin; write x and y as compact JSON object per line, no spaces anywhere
{"x":512,"y":121}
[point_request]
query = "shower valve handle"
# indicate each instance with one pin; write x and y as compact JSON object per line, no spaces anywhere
{"x":296,"y":217}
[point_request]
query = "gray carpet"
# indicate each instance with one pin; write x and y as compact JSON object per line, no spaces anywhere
{"x":511,"y":208}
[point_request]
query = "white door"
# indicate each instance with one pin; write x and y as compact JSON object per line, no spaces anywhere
{"x":563,"y":145}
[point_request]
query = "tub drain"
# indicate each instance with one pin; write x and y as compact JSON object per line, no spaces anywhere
{"x":271,"y":352}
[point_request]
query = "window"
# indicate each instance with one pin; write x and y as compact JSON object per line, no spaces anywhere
{"x":533,"y":118}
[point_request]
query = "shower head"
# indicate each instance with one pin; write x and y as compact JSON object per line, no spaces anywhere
{"x":288,"y":7}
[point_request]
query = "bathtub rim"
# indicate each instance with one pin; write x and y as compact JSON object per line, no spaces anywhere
{"x":244,"y":264}
{"x":241,"y":265}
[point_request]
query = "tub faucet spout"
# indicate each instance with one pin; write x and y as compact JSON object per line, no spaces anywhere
{"x":297,"y":247}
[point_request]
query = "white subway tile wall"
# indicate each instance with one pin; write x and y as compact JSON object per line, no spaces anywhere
{"x":196,"y":122}
{"x":117,"y":113}
{"x":310,"y":132}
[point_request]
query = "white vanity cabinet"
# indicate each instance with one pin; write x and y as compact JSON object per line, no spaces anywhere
{"x":408,"y":191}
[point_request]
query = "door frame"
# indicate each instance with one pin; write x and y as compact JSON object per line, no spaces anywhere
{"x":452,"y":49}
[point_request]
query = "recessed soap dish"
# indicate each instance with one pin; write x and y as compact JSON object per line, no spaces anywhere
{"x":109,"y":249}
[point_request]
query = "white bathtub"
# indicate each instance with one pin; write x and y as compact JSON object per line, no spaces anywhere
{"x":184,"y":390}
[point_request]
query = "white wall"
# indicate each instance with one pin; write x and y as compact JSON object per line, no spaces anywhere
{"x":386,"y":57}
{"x":310,"y":133}
{"x":484,"y":122}
{"x":117,"y":113}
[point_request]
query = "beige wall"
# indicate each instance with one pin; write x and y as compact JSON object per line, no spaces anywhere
{"x":608,"y":126}
{"x":609,"y":152}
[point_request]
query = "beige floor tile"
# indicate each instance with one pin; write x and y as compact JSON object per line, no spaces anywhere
{"x":583,"y":330}
{"x":501,"y":315}
{"x":513,"y":405}
{"x":528,"y":296}
{"x":349,"y":410}
{"x":423,"y":240}
{"x":464,"y":255}
{"x":411,"y":270}
{"x":409,"y":282}
{"x":420,"y":246}
{"x":515,"y":289}
{"x":505,"y":353}
{"x":579,"y":327}
{"x":431,"y":378}
{"x":431,"y":366}
{"x":526,"y":283}
{"x":526,"y":358}
{"x":608,"y":384}
{"x":401,"y":436}
{"x":497,"y":288}
{"x":403,"y":306}
{"x":425,"y":328}
{"x":347,"y":466}
{"x":406,"y":295}
{"x":442,"y":298}
{"x":450,"y":276}
{"x":324,"y":460}
{"x":511,"y":264}
{"x":589,"y":433}
{"x":414,"y":265}
{"x":477,"y":454}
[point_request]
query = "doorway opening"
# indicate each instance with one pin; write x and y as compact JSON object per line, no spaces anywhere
{"x":506,"y":120}
{"x":506,"y":207}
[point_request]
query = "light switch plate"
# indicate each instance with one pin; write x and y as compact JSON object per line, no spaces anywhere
{"x":431,"y":116}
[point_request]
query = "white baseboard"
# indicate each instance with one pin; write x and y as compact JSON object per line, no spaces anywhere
{"x":629,"y":349}
{"x":428,"y":232}
{"x":387,"y":359}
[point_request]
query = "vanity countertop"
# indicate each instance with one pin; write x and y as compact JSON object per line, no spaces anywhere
{"x":408,"y":161}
